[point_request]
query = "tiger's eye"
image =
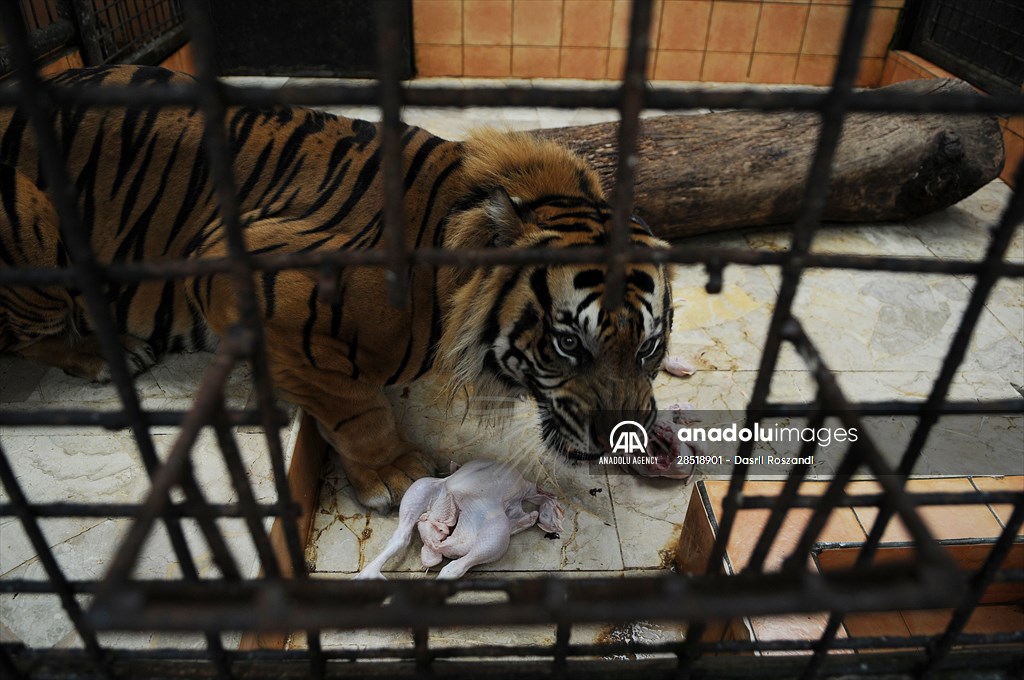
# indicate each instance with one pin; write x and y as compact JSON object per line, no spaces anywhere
{"x":568,"y":343}
{"x":648,"y":348}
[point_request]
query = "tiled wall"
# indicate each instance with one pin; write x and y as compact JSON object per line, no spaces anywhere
{"x":900,"y":66}
{"x":787,"y":41}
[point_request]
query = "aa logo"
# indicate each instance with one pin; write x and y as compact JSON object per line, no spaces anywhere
{"x":629,"y":437}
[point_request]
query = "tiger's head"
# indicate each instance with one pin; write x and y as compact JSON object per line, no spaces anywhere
{"x":541,"y":330}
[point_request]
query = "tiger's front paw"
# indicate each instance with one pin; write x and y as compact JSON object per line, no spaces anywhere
{"x":382,"y":488}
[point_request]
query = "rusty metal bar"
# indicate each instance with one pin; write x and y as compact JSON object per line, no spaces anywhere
{"x":390,"y":99}
{"x":212,"y":104}
{"x":116,"y":420}
{"x":246,"y":500}
{"x":986,"y":280}
{"x":1012,"y":217}
{"x":833,"y":109}
{"x":37,"y":106}
{"x":782,"y":503}
{"x":145,"y":271}
{"x":606,"y":98}
{"x":939,"y":649}
{"x":30,"y":525}
{"x":175,"y":470}
{"x":864,"y":450}
{"x":631,"y":103}
{"x":346,"y":604}
{"x":179,"y":510}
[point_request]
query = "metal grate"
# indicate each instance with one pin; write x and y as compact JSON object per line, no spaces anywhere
{"x":286,"y":598}
{"x":980,"y":41}
{"x":130,"y":31}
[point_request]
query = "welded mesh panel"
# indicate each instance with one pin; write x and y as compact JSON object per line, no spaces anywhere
{"x":981,"y":41}
{"x":126,"y":31}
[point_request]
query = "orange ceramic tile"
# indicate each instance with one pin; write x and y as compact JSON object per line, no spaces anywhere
{"x":186,"y":59}
{"x":996,"y":619}
{"x":171,"y":62}
{"x":621,"y":12}
{"x":903,"y":72}
{"x":438,"y":60}
{"x":887,"y":70}
{"x":487,"y":62}
{"x":944,"y":522}
{"x":534,"y":62}
{"x":733,"y":27}
{"x":487,"y":22}
{"x":773,"y":68}
{"x":583,"y":62}
{"x":537,"y":22}
{"x":781,"y":29}
{"x":824,"y":29}
{"x":927,"y":622}
{"x":1002,"y":511}
{"x":58,"y":65}
{"x":678,"y":65}
{"x":990,"y":619}
{"x":869,"y":624}
{"x":725,"y":67}
{"x":815,"y":70}
{"x":75,"y":57}
{"x":790,"y":627}
{"x":870,"y":72}
{"x":841,"y":527}
{"x":925,"y":67}
{"x":880,"y":31}
{"x":1014,"y":145}
{"x":437,"y":22}
{"x":684,"y":25}
{"x":1015,"y":123}
{"x":587,"y":23}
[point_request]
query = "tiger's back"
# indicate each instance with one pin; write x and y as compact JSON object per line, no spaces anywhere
{"x":310,"y":181}
{"x":306,"y":180}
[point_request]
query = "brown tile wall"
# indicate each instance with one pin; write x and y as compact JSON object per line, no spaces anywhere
{"x":900,"y":66}
{"x":784,"y":41}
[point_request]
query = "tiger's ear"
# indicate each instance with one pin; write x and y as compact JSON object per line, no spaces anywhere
{"x":508,"y":216}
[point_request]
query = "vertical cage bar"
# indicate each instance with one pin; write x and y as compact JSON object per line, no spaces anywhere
{"x":784,"y":501}
{"x":52,"y":568}
{"x":246,"y":499}
{"x":939,"y":649}
{"x":211,"y":103}
{"x":85,"y":19}
{"x":88,"y":275}
{"x":630,"y":105}
{"x":388,"y":51}
{"x":1012,"y":216}
{"x":175,"y":468}
{"x":818,"y":178}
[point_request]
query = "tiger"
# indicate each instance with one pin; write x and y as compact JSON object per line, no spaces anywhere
{"x":309,"y":181}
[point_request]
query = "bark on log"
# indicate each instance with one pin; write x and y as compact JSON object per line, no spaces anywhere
{"x":705,"y":173}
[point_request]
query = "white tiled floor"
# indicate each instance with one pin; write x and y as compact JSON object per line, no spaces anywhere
{"x":884,"y":335}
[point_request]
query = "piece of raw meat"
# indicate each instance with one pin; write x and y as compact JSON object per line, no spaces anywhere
{"x":468,"y":517}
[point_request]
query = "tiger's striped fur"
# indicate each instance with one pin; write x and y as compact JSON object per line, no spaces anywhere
{"x":309,"y":180}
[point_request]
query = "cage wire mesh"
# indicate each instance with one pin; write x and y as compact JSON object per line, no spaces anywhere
{"x":285,"y":598}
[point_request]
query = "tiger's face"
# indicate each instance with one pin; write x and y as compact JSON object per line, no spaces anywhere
{"x":587,"y":368}
{"x":547,"y":335}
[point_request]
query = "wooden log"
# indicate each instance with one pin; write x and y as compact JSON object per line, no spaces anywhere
{"x":706,"y":173}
